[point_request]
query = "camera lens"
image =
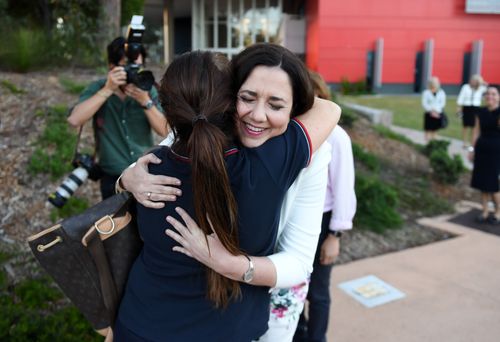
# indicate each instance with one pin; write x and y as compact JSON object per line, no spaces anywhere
{"x":68,"y":187}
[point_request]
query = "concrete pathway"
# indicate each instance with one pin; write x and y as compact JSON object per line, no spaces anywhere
{"x":456,"y":146}
{"x":452,"y":291}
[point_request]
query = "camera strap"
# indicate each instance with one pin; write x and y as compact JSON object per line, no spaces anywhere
{"x":78,"y":143}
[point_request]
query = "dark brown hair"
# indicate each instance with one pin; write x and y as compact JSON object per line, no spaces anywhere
{"x":272,"y":55}
{"x":196,"y":97}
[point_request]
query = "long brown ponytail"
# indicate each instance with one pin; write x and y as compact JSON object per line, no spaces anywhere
{"x":195,"y":94}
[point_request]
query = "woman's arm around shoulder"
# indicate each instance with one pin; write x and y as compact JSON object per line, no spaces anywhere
{"x":320,"y":120}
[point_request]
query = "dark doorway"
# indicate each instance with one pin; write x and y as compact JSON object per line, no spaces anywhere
{"x":182,"y":38}
{"x":370,"y":69}
{"x":466,"y":67}
{"x":419,"y":69}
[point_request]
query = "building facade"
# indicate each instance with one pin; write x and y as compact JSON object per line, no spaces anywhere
{"x":392,"y":45}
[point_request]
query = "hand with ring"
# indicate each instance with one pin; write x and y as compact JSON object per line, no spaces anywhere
{"x":150,"y":190}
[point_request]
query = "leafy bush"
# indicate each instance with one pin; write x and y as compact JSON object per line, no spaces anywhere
{"x":31,"y":311}
{"x":129,"y":8}
{"x":35,"y":294}
{"x":36,"y":34}
{"x":71,"y":86}
{"x":435,"y":145}
{"x":447,"y":170}
{"x":24,"y":49}
{"x":366,"y":158}
{"x":376,"y":205}
{"x":73,"y":206}
{"x":55,"y":147}
{"x":354,"y":88}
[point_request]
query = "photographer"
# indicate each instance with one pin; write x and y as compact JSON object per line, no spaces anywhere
{"x":122,"y":113}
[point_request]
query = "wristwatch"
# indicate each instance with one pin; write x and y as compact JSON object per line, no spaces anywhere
{"x":336,"y":233}
{"x":248,"y":275}
{"x":148,"y":105}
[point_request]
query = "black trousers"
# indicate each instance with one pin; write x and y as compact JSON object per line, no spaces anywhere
{"x":108,"y":185}
{"x":314,"y":329}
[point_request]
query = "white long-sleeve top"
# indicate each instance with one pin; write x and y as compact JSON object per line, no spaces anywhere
{"x":469,"y":96}
{"x":432,"y":102}
{"x":340,"y":195}
{"x":300,"y":221}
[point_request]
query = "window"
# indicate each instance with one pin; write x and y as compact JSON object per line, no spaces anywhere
{"x":228,"y":26}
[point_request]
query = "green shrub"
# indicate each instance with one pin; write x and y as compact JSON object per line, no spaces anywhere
{"x":73,"y":206}
{"x":24,"y":49}
{"x":377,"y":204}
{"x":55,"y":147}
{"x":129,"y":8}
{"x":36,"y":294}
{"x":31,"y":311}
{"x":435,"y":145}
{"x":353,"y":88}
{"x":12,"y":87}
{"x":366,"y":158}
{"x":71,"y":86}
{"x":447,"y":170}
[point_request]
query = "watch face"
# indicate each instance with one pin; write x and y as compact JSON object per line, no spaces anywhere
{"x":248,"y":276}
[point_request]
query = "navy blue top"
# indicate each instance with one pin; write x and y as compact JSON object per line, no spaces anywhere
{"x":165,"y":298}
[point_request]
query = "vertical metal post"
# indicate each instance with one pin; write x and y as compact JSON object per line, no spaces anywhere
{"x":476,"y":57}
{"x":266,"y":33}
{"x":241,"y":25}
{"x":203,"y":38}
{"x":167,"y":31}
{"x":229,"y":26}
{"x":194,"y":28}
{"x":215,"y":22}
{"x":253,"y":26}
{"x":379,"y":57}
{"x":428,"y":60}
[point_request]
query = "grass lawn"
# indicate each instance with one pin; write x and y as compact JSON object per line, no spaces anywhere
{"x":408,"y":112}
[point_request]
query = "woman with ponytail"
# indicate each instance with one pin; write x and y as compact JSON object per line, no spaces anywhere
{"x":233,"y":193}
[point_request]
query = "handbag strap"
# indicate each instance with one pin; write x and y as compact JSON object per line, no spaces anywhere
{"x":108,"y":288}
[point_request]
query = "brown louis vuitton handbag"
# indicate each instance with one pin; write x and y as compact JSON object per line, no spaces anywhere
{"x":89,"y":256}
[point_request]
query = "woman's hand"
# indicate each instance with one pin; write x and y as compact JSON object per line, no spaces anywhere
{"x":329,"y":250}
{"x":207,"y":249}
{"x":150,"y":190}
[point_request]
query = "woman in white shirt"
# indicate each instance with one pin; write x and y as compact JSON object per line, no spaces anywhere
{"x":469,"y":101}
{"x":433,"y":101}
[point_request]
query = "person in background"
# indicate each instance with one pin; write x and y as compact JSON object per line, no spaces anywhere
{"x":486,"y":155}
{"x":469,"y":101}
{"x":339,"y":211}
{"x":433,"y":101}
{"x":122,"y":114}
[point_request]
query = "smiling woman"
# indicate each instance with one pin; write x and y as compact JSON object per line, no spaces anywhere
{"x":264,"y":104}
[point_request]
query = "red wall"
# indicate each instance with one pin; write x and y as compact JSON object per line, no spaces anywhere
{"x":340,"y":33}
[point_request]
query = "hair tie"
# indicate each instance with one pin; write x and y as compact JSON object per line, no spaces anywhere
{"x":199,"y":117}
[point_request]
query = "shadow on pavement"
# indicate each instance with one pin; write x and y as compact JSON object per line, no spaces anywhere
{"x":468,"y":219}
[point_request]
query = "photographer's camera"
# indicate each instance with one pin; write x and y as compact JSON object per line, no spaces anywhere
{"x":85,"y":167}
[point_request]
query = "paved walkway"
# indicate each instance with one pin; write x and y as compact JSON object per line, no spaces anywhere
{"x":452,"y":291}
{"x":456,"y":146}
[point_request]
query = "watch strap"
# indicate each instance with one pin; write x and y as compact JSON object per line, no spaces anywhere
{"x":336,"y":233}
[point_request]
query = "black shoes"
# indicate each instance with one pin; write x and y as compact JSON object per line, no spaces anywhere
{"x":490,"y":219}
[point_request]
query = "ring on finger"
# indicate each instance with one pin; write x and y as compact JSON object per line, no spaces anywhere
{"x":149,"y":195}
